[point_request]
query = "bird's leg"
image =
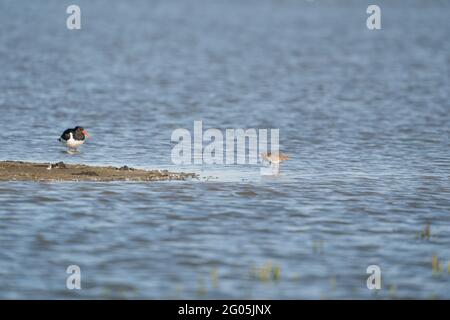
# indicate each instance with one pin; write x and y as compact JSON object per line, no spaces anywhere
{"x":275,"y":168}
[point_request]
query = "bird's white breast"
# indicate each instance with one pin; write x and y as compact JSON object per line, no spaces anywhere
{"x":72,"y":143}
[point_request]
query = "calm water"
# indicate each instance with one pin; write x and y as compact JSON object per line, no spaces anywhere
{"x":364,"y":114}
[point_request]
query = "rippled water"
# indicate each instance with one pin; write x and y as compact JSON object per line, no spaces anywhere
{"x":364,"y":115}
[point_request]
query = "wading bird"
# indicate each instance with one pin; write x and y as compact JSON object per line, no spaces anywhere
{"x":73,"y":138}
{"x":273,"y":158}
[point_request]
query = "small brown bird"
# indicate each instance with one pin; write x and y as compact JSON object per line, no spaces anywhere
{"x":273,"y":158}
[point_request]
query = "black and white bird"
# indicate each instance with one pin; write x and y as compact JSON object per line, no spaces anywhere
{"x":73,"y":138}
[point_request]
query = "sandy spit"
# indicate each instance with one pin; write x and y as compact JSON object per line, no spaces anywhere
{"x":28,"y":171}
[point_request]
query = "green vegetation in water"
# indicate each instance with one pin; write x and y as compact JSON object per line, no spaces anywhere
{"x":201,"y":289}
{"x":267,"y":272}
{"x":333,"y":283}
{"x":178,"y":291}
{"x":433,"y":296}
{"x":215,"y":278}
{"x":118,"y":292}
{"x":425,"y":234}
{"x":436,"y":265}
{"x":392,"y":291}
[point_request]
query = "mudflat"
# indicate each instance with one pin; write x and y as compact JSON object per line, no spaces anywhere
{"x":29,"y":171}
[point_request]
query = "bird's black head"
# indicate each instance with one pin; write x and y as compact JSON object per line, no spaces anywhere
{"x":81,"y":131}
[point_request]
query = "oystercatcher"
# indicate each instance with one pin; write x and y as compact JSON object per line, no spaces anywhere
{"x":73,"y":138}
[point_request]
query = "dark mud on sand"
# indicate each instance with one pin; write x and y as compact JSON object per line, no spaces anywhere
{"x":27,"y":171}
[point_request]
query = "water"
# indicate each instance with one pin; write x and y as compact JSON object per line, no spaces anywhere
{"x":363,"y":114}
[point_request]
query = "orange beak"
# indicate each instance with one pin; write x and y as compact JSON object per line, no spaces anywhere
{"x":86,"y":134}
